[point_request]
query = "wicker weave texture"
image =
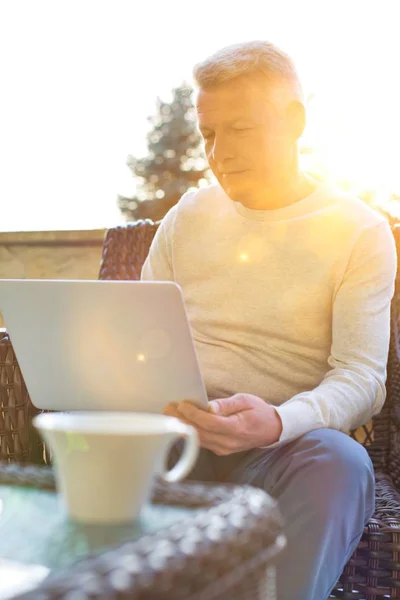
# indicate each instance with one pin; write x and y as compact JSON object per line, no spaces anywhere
{"x":18,"y":439}
{"x":125,"y":250}
{"x":221,"y":552}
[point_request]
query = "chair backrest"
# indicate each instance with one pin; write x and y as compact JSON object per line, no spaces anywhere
{"x":391,"y":410}
{"x":124,"y":251}
{"x":379,"y":436}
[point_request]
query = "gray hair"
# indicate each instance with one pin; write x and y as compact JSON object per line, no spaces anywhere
{"x":247,"y":58}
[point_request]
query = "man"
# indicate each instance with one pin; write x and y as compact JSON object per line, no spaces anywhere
{"x":287,"y":285}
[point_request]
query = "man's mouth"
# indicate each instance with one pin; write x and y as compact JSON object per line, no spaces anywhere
{"x":229,"y":173}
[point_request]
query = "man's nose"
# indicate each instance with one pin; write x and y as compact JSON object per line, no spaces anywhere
{"x":221,"y":150}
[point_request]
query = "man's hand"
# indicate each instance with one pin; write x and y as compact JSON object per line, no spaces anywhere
{"x":234,"y":424}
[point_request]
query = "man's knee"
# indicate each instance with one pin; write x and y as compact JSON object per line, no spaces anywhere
{"x":339,"y":466}
{"x":338,"y":453}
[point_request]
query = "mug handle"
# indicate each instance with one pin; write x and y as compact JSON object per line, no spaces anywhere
{"x":189,"y":454}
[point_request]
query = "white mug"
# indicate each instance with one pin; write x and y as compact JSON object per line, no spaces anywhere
{"x":105,"y":462}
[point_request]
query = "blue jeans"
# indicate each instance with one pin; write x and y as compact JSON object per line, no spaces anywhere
{"x":325,"y":486}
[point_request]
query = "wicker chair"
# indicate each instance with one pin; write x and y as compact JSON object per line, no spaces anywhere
{"x":373,"y":572}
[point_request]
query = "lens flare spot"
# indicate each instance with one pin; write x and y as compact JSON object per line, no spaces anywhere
{"x":155,"y":344}
{"x":251,"y":248}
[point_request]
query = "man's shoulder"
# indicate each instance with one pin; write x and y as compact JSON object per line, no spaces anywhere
{"x":354,"y":211}
{"x":194,"y":208}
{"x":199,"y":200}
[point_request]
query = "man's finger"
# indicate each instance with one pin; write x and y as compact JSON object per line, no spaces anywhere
{"x":212,"y":441}
{"x":203,"y":419}
{"x":218,"y":444}
{"x":171,"y":410}
{"x":230,"y":406}
{"x":216,"y":448}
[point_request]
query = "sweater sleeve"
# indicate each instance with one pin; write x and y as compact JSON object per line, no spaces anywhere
{"x":353,"y":390}
{"x":158,"y":264}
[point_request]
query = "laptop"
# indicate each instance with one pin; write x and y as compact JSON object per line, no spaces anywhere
{"x":102,"y":345}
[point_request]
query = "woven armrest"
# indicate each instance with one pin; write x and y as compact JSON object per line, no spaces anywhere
{"x":222,"y":551}
{"x":19,"y":441}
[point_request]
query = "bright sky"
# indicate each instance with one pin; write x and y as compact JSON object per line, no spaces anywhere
{"x":79,"y":77}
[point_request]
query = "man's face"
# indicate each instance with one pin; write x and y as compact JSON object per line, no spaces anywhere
{"x":247,"y":141}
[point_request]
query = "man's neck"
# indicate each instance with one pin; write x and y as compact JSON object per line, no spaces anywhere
{"x":283,"y":192}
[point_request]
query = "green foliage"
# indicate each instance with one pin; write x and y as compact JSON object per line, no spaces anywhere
{"x":175,"y":161}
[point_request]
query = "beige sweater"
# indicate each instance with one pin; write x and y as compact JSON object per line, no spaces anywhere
{"x":292,"y":305}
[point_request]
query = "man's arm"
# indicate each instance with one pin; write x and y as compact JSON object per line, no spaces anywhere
{"x":353,"y":390}
{"x":158,"y":264}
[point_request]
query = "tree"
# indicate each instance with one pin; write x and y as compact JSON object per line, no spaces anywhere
{"x":175,"y":161}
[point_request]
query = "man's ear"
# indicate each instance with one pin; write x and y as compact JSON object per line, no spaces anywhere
{"x":296,"y":119}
